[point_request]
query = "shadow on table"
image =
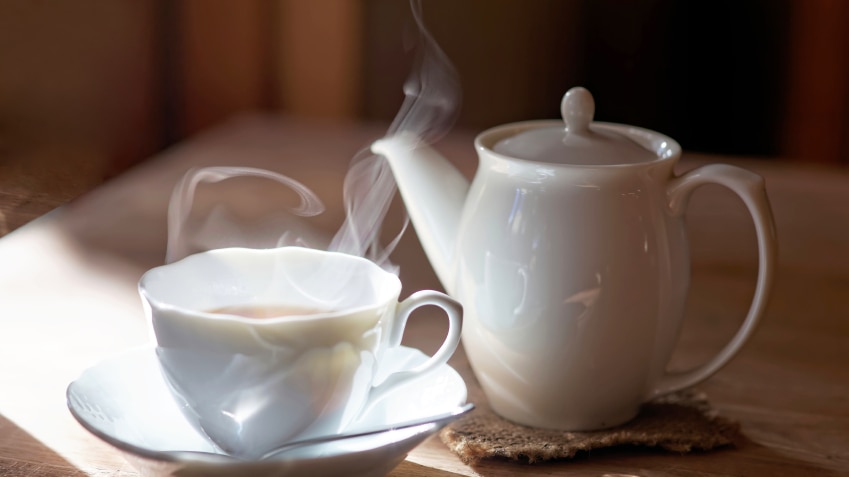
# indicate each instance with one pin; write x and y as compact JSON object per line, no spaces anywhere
{"x":42,"y":461}
{"x":410,"y":469}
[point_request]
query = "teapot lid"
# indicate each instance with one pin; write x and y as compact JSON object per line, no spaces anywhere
{"x":578,"y":142}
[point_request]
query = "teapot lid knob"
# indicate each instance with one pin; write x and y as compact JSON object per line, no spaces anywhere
{"x":580,"y":142}
{"x":577,"y":109}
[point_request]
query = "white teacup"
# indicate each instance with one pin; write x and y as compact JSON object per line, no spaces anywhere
{"x":303,"y":364}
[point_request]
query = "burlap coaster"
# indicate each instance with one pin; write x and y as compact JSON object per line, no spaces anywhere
{"x":680,"y":422}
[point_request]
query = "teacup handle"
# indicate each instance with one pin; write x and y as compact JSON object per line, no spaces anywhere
{"x":454,"y":311}
{"x":750,"y":188}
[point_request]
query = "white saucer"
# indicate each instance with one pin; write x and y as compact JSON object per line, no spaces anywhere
{"x":125,"y":401}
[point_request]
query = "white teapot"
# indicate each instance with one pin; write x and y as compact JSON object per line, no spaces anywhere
{"x":569,"y":254}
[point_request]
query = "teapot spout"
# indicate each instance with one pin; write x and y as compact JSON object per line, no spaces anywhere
{"x":434,"y":192}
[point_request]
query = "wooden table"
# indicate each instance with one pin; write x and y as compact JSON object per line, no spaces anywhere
{"x":68,"y":299}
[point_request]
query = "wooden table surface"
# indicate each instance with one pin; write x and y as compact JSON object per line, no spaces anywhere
{"x":68,"y":299}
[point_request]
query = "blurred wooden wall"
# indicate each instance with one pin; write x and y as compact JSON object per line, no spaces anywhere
{"x":302,"y":57}
{"x":766,"y":78}
{"x":90,"y":87}
{"x":816,"y":112}
{"x":78,"y":98}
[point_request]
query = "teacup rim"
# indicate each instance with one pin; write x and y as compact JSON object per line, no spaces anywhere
{"x":231,"y":317}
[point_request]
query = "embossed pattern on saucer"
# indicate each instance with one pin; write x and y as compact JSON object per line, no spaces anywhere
{"x":125,"y":401}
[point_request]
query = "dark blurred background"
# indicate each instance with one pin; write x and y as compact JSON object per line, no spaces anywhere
{"x":91,"y":87}
{"x":712,"y":74}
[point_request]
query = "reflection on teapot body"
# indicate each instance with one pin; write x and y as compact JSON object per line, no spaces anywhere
{"x":569,"y":254}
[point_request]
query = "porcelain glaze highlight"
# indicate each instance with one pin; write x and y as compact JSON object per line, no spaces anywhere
{"x":573,"y":276}
{"x":125,"y":401}
{"x":254,"y":384}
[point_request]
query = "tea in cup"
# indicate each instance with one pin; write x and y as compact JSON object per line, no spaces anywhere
{"x":261,"y":347}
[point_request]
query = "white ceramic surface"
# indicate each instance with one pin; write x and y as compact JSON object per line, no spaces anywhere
{"x":573,"y":276}
{"x":574,"y":141}
{"x":253,"y":384}
{"x":125,"y":401}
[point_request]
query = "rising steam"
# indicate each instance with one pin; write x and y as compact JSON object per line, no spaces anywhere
{"x":432,"y":97}
{"x":432,"y":93}
{"x":182,"y":199}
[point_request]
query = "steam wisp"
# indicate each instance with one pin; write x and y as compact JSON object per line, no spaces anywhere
{"x":180,"y":241}
{"x":432,"y":96}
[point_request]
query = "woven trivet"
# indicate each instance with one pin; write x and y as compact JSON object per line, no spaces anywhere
{"x":680,"y":422}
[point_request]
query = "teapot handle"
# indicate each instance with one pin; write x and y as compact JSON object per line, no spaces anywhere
{"x":750,"y":188}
